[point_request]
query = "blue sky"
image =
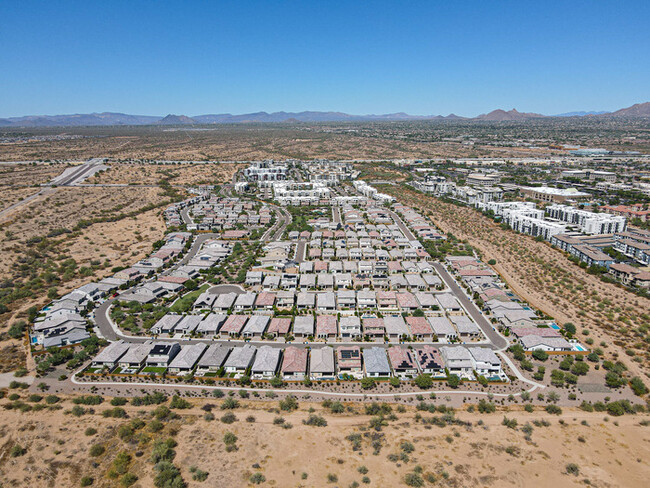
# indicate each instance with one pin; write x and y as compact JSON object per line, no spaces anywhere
{"x":430,"y":57}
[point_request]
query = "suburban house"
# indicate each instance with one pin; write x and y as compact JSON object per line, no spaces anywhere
{"x":233,"y":326}
{"x":396,"y":327}
{"x":240,"y":359}
{"x":256,"y":326}
{"x":403,"y":361}
{"x":375,"y":362}
{"x":348,"y":359}
{"x":186,"y":358}
{"x":350,"y":326}
{"x":135,"y":357}
{"x":266,"y":362}
{"x":166,"y":324}
{"x":430,"y":361}
{"x":213,"y":358}
{"x":224,"y":302}
{"x":466,"y":327}
{"x":442,"y":328}
{"x":326,"y":326}
{"x":110,"y":355}
{"x":374,"y":327}
{"x":486,"y":362}
{"x":458,"y":361}
{"x":303,"y":326}
{"x":420,"y":328}
{"x":294,"y":363}
{"x":162,"y":354}
{"x":188,"y":324}
{"x":279,"y":326}
{"x":548,"y":344}
{"x":321,"y":364}
{"x":210,"y":325}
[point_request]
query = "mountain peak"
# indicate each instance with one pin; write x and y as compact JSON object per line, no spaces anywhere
{"x":172,"y":119}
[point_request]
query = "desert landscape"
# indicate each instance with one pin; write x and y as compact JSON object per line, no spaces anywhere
{"x":267,"y":442}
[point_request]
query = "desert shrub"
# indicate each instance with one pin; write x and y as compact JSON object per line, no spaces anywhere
{"x":315,"y":420}
{"x":17,"y":451}
{"x":257,"y":478}
{"x":573,"y":469}
{"x":86,"y":481}
{"x":553,"y":409}
{"x":96,"y":450}
{"x":180,"y":403}
{"x":167,"y":476}
{"x":638,"y":387}
{"x":413,"y":479}
{"x":289,"y":404}
{"x":90,"y":431}
{"x":229,"y":404}
{"x":118,"y":401}
{"x":228,"y":418}
{"x":88,"y":400}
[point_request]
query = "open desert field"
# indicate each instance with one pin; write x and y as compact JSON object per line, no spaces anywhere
{"x":67,"y":235}
{"x":275,"y":448}
{"x":256,"y":142}
{"x":133,"y":173}
{"x":549,"y":281}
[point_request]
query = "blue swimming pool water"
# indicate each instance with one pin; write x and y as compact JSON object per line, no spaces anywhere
{"x":579,"y":348}
{"x":555,"y":326}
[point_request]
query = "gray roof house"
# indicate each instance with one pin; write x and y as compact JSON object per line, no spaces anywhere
{"x":136,"y":356}
{"x":245,"y":301}
{"x":458,"y":360}
{"x":211,"y":324}
{"x":267,"y":361}
{"x":375,"y":362}
{"x":303,"y":326}
{"x":213,"y":358}
{"x":166,"y":324}
{"x":224,"y":301}
{"x":64,"y":335}
{"x":240,"y":359}
{"x":188,"y":356}
{"x":466,"y":326}
{"x":205,"y":300}
{"x":111,"y":354}
{"x":188,"y":324}
{"x":321,"y":363}
{"x":486,"y":362}
{"x":395,"y":326}
{"x":442,"y":328}
{"x":256,"y":326}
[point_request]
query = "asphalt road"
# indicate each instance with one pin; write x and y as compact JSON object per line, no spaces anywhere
{"x":407,"y":232}
{"x":493,"y":336}
{"x":101,"y":313}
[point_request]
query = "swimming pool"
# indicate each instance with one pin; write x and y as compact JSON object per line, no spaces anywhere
{"x":555,"y":326}
{"x":578,"y":347}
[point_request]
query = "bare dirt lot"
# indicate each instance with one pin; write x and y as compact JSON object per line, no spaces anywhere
{"x":50,"y":448}
{"x":546,"y":278}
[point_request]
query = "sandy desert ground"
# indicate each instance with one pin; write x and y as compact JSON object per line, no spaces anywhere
{"x":476,"y":450}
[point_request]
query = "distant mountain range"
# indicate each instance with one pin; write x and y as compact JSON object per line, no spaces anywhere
{"x":640,"y":110}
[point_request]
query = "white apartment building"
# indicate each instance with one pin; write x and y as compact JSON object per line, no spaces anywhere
{"x":588,"y":222}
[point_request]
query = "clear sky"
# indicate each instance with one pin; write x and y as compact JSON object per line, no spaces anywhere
{"x":419,"y":57}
